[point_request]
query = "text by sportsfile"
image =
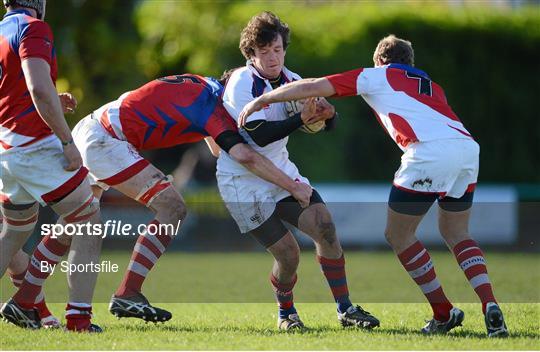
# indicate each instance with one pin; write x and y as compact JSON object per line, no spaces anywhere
{"x":108,"y":228}
{"x":65,"y":267}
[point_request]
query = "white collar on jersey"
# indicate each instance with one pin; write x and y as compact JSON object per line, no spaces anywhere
{"x":285,"y":71}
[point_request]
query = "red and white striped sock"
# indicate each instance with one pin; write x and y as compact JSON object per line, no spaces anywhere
{"x":47,"y":254}
{"x":471,"y":260}
{"x":78,"y":316}
{"x":417,"y":262}
{"x":147,"y":251}
{"x":40,"y":304}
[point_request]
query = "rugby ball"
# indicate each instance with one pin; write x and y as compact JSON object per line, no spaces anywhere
{"x":295,"y":107}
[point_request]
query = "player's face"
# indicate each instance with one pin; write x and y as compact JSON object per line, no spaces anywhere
{"x":269,"y":60}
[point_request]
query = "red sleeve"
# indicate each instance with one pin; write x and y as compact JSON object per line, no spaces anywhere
{"x":220,"y":121}
{"x":345,"y":83}
{"x":37,"y":41}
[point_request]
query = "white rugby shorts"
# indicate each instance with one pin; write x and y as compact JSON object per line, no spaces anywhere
{"x":36,"y":173}
{"x":250,"y":199}
{"x":110,"y":161}
{"x":448,"y":167}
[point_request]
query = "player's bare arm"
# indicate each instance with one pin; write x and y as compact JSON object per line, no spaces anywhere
{"x":264,"y":132}
{"x":213,"y":146}
{"x":265,"y":169}
{"x":302,"y":89}
{"x":47,"y":102}
{"x":233,"y":144}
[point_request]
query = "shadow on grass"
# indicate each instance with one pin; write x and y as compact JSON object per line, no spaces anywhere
{"x":264,"y":331}
{"x":320,"y":330}
{"x":461,"y":333}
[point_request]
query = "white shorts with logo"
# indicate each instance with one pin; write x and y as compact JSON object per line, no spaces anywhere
{"x":448,"y":167}
{"x":109,"y":160}
{"x":36,"y":173}
{"x":250,"y":199}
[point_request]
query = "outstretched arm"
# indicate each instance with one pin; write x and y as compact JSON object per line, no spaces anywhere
{"x":305,"y":88}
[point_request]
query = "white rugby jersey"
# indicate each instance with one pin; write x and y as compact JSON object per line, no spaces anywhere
{"x":409,"y":106}
{"x":244,"y":85}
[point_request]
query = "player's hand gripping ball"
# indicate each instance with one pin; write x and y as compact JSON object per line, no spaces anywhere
{"x":295,"y":107}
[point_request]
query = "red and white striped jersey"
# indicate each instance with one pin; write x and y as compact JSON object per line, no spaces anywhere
{"x":22,"y":37}
{"x":408,"y":104}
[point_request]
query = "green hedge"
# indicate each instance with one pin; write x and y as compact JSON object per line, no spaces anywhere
{"x":487,"y":60}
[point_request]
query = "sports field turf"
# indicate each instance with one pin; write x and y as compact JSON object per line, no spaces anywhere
{"x":186,"y":282}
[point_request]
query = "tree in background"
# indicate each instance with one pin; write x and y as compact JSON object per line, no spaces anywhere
{"x":486,"y":58}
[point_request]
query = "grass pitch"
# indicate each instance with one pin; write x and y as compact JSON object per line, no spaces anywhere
{"x":186,"y":282}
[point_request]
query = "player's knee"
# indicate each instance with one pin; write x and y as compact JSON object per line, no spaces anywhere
{"x":454,"y":234}
{"x":290,"y":260}
{"x":288,"y":254}
{"x":326,"y":230}
{"x":388,"y":236}
{"x":64,"y":240}
{"x":178,"y":211}
{"x":454,"y":226}
{"x":86,"y":210}
{"x":170,"y":206}
{"x":393,"y":237}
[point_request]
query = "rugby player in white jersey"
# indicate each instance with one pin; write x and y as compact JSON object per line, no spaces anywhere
{"x":259,"y":207}
{"x":440,"y":162}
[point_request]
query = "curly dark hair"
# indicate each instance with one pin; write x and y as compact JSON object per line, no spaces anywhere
{"x":392,"y":49}
{"x":262,"y":30}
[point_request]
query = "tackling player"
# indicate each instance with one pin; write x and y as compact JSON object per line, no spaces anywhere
{"x":165,"y":112}
{"x":40,"y":163}
{"x":440,"y":162}
{"x":260,"y":208}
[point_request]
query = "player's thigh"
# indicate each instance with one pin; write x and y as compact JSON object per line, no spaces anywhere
{"x":18,"y":224}
{"x":249,"y":200}
{"x":19,"y":211}
{"x":271,"y":232}
{"x":316,"y":221}
{"x":406,"y":209}
{"x":19,"y":220}
{"x":13,"y":197}
{"x":153,"y":189}
{"x":109,"y":160}
{"x":454,"y":215}
{"x":79,"y":206}
{"x":39,"y":170}
{"x":288,"y":209}
{"x":400,"y":229}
